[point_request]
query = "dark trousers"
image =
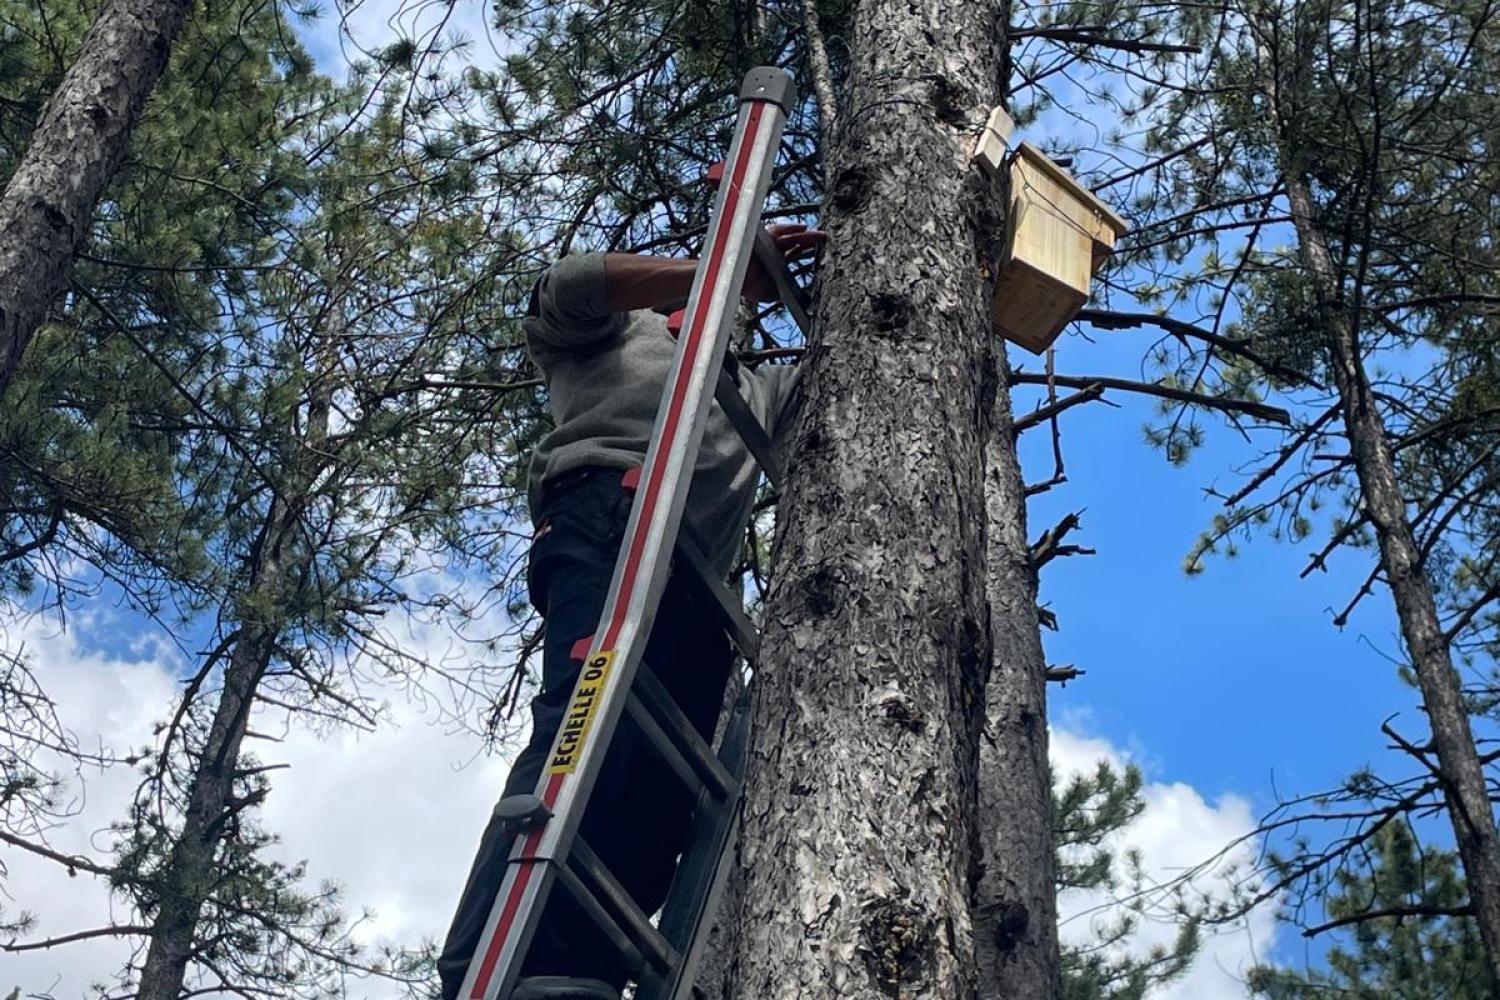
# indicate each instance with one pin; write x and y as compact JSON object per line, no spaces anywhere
{"x":637,"y":818}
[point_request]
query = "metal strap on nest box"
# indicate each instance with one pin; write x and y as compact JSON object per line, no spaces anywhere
{"x":548,"y":850}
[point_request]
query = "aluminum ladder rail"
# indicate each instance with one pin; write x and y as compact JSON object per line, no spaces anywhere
{"x":613,"y":681}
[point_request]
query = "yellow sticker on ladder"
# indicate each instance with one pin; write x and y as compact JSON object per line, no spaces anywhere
{"x":581,"y":711}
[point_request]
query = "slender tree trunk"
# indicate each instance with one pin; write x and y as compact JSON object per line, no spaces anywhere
{"x":78,"y":144}
{"x":189,"y":876}
{"x":1462,"y":775}
{"x":819,"y":68}
{"x":858,"y":840}
{"x":1015,"y":918}
{"x":1458,"y":767}
{"x":1015,"y":905}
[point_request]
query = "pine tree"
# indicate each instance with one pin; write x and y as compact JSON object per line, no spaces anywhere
{"x":98,"y":432}
{"x":367,"y":463}
{"x":335,"y":425}
{"x":1408,"y":934}
{"x":1312,"y":236}
{"x":1090,"y":811}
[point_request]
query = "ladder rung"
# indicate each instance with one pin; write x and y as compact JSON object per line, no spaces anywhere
{"x":601,"y":917}
{"x":657,"y":949}
{"x":631,"y":604}
{"x":677,"y":733}
{"x":664,"y":743}
{"x":741,"y":630}
{"x":757,"y":441}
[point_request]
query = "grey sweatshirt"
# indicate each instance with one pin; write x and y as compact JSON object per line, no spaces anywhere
{"x":605,"y":372}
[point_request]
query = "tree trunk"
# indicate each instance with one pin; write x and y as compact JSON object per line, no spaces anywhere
{"x":188,"y":878}
{"x":1015,"y":907}
{"x":1462,"y":775}
{"x":78,"y":144}
{"x":1458,"y":766}
{"x":858,"y":839}
{"x":1015,"y":903}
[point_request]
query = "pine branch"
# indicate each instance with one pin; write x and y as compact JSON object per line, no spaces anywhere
{"x":121,"y":930}
{"x":437,"y":383}
{"x":1391,"y":911}
{"x":1261,"y":411}
{"x":1283,"y":457}
{"x":1319,"y":559}
{"x":1105,"y":319}
{"x":1050,"y":545}
{"x":1087,"y":35}
{"x":1491,"y":593}
{"x":41,"y":540}
{"x":1422,"y":754}
{"x":72,"y":862}
{"x":1160,"y":161}
{"x":1453,"y":298}
{"x":1365,"y":590}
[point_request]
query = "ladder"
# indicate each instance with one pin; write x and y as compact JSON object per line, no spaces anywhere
{"x":613,"y":681}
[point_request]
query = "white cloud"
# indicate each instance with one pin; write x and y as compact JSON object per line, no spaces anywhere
{"x":1176,"y":833}
{"x":391,"y":816}
{"x":110,"y":704}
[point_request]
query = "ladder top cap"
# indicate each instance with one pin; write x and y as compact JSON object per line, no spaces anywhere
{"x":768,"y":83}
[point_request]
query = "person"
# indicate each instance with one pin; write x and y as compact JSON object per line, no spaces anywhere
{"x":596,"y":330}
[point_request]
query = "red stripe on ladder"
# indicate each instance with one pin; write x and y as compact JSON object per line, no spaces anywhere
{"x":637,"y":541}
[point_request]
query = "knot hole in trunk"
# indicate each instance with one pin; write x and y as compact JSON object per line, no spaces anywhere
{"x":892,"y":311}
{"x":897,"y":943}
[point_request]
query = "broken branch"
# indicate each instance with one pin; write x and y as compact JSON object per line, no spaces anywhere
{"x":1044,"y":413}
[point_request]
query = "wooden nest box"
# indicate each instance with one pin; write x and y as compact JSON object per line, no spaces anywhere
{"x":1059,"y":234}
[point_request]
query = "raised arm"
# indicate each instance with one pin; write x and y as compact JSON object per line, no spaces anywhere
{"x":583,"y":298}
{"x":636,"y":282}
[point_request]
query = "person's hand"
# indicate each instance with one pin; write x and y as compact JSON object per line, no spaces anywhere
{"x":795,"y":241}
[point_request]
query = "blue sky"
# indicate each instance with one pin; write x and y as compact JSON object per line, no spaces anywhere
{"x":1234,"y":680}
{"x":1224,"y":679}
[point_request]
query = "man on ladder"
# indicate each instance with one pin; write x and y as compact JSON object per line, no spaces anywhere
{"x":594,"y":331}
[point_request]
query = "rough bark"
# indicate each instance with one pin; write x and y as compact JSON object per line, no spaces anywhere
{"x":1458,"y":765}
{"x":78,"y":144}
{"x":858,"y":824}
{"x":1015,"y":905}
{"x":1015,"y":902}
